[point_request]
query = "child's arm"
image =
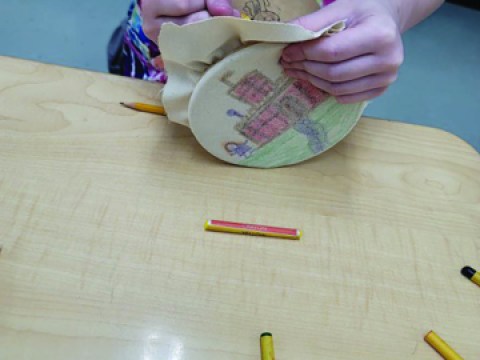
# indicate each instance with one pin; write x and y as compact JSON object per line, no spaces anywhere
{"x":361,"y":62}
{"x":157,"y":12}
{"x":411,"y":12}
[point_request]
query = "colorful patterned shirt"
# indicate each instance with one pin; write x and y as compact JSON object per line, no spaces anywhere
{"x":141,"y":55}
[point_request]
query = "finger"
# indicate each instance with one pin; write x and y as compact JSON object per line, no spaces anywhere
{"x":349,"y":87}
{"x":221,"y":8}
{"x":348,"y":44}
{"x":343,"y":99}
{"x":325,"y":17}
{"x":155,"y":8}
{"x":152,"y":27}
{"x":359,"y":97}
{"x":347,"y":70}
{"x":195,"y":17}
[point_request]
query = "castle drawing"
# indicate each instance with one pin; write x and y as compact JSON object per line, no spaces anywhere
{"x":275,"y":107}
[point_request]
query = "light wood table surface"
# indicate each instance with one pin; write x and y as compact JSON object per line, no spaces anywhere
{"x":103,"y":253}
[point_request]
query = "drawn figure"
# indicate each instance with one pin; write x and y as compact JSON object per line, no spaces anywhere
{"x":275,"y":106}
{"x":260,"y":10}
{"x":239,"y":149}
{"x":315,"y":134}
{"x":252,"y":89}
{"x":234,"y":113}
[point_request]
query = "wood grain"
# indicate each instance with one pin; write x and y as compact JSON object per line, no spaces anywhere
{"x":104,"y":255}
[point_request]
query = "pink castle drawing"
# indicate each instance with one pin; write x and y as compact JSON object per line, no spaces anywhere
{"x":275,"y":106}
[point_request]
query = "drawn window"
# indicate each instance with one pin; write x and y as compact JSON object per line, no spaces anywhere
{"x":268,"y":125}
{"x":253,"y":88}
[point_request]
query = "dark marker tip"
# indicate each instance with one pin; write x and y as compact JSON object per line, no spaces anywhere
{"x":266,"y":334}
{"x":468,"y":272}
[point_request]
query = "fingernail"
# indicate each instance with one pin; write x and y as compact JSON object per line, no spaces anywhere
{"x":286,"y":56}
{"x":288,"y":53}
{"x":285,"y":64}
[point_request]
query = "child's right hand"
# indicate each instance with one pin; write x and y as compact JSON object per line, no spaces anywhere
{"x":157,"y":12}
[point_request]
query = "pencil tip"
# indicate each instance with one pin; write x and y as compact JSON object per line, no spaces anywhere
{"x":127,"y":105}
{"x":468,"y":272}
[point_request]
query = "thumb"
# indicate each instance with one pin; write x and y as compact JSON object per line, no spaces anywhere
{"x":221,"y":8}
{"x":324,"y":17}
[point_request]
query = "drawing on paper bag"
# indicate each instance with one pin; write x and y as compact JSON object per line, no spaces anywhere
{"x":276,"y":107}
{"x":245,"y":111}
{"x":260,"y":10}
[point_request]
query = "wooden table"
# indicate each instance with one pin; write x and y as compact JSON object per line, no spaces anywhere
{"x":104,"y":254}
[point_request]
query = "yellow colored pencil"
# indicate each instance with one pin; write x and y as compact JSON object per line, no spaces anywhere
{"x":252,"y":230}
{"x":441,"y":347}
{"x":266,"y":346}
{"x":471,"y":274}
{"x":152,"y":109}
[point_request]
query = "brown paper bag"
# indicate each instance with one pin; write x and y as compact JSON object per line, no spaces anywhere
{"x":226,"y":84}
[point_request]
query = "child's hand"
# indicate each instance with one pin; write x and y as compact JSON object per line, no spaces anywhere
{"x":157,"y":12}
{"x":357,"y":64}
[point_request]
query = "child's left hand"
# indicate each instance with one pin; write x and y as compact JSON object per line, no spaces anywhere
{"x":357,"y":64}
{"x":157,"y":12}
